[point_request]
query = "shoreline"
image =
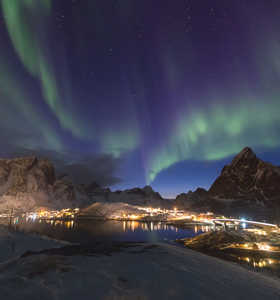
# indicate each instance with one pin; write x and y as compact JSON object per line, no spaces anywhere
{"x":228,"y":255}
{"x":129,"y":271}
{"x":123,"y":270}
{"x":224,"y":255}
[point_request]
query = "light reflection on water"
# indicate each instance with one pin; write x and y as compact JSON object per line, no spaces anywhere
{"x":146,"y":226}
{"x":198,"y":229}
{"x":260,"y":263}
{"x":89,"y":230}
{"x":130,"y":226}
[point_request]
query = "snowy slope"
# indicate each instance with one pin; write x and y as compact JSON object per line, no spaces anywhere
{"x":141,"y":272}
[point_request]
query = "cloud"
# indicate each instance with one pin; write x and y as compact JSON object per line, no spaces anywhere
{"x":99,"y":169}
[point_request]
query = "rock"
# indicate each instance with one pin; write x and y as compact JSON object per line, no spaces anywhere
{"x":214,"y":240}
{"x":92,"y":187}
{"x":29,"y":182}
{"x":25,"y":175}
{"x":248,"y":177}
{"x":109,"y":210}
{"x":244,"y":186}
{"x":191,"y":200}
{"x":64,"y":191}
{"x":136,"y":196}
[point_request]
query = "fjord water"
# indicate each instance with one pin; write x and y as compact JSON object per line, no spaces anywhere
{"x":92,"y":230}
{"x":88,"y":231}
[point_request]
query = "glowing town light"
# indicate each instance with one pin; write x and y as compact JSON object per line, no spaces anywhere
{"x":270,"y":261}
{"x":264,"y":247}
{"x":134,"y":217}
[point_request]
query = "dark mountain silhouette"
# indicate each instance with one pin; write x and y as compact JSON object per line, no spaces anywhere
{"x":247,"y":182}
{"x":248,"y":177}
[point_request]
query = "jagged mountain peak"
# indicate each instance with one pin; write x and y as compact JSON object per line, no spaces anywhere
{"x":245,"y":156}
{"x":247,"y":177}
{"x":29,"y":181}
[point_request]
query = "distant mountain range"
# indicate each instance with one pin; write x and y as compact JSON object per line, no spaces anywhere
{"x":29,"y":182}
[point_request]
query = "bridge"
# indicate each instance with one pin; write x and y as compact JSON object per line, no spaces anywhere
{"x":238,"y":222}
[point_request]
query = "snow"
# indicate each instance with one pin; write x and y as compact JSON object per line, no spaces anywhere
{"x":141,"y":272}
{"x":110,"y":210}
{"x":14,"y":244}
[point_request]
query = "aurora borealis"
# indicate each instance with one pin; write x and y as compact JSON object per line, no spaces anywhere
{"x":166,"y":91}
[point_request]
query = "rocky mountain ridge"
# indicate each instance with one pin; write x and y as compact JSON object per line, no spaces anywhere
{"x":30,"y":182}
{"x":246,"y":181}
{"x":136,"y":196}
{"x":248,"y":177}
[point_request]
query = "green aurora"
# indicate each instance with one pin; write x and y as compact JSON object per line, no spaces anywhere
{"x":217,"y":133}
{"x":29,"y":45}
{"x":196,"y":84}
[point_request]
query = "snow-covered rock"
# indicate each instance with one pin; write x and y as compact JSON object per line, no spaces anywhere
{"x":14,"y":244}
{"x":137,"y":196}
{"x":29,"y":182}
{"x":110,"y":210}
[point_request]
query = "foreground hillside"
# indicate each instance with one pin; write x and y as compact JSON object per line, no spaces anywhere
{"x":122,"y":271}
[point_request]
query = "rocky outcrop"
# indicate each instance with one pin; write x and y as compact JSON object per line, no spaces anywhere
{"x":192,"y":200}
{"x":29,"y":182}
{"x":137,"y":196}
{"x":246,"y":184}
{"x":214,"y":240}
{"x":25,"y":175}
{"x":248,"y":178}
{"x":109,"y":210}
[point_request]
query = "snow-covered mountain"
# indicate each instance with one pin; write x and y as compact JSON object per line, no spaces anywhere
{"x":137,"y":196}
{"x":29,"y":182}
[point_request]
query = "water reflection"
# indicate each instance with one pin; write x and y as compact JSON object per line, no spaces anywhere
{"x":67,"y":224}
{"x":127,"y":226}
{"x":260,"y":263}
{"x":101,"y":230}
{"x":201,"y":228}
{"x":86,"y":230}
{"x":146,"y":226}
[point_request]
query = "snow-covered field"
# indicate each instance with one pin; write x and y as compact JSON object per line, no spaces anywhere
{"x":13,"y":244}
{"x":140,"y":272}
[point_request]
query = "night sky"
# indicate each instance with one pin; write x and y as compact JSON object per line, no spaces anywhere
{"x":159,"y":92}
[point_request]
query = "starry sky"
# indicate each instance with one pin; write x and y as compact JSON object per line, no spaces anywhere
{"x":131,"y":93}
